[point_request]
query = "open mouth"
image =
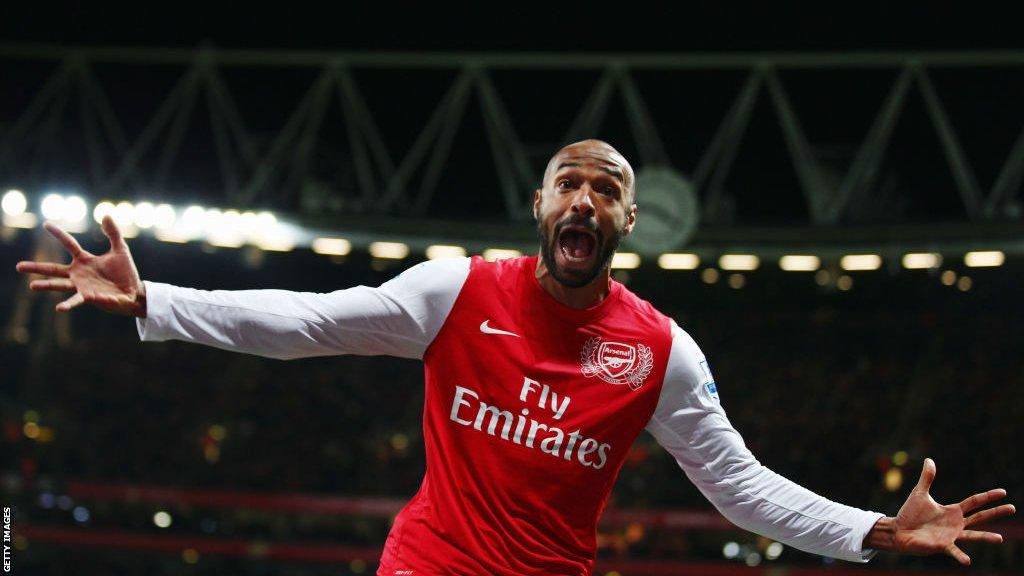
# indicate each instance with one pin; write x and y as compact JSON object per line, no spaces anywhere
{"x":576,"y":243}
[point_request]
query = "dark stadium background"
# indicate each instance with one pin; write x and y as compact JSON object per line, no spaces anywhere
{"x":295,"y":468}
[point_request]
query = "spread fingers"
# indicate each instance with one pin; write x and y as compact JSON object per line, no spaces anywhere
{"x":44,"y":268}
{"x":990,"y":514}
{"x":976,"y":536}
{"x":73,"y":302}
{"x":69,"y":242}
{"x":58,"y":285}
{"x":981,"y":499}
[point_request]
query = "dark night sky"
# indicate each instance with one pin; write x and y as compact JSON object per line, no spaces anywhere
{"x":678,"y":26}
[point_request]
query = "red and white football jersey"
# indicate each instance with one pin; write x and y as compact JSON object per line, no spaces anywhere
{"x":530,"y":409}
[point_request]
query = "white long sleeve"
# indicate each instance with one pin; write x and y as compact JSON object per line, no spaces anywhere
{"x":690,"y":423}
{"x":399,"y":318}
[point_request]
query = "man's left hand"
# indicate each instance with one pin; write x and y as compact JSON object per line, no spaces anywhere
{"x":923,"y":526}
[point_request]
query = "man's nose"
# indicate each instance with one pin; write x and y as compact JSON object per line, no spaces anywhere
{"x":582,"y":203}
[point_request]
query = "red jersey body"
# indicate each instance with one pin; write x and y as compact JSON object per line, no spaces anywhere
{"x":530,"y":410}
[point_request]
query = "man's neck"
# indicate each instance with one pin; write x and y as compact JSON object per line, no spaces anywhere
{"x":583,"y":297}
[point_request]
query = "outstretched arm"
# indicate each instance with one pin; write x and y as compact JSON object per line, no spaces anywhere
{"x":690,"y":423}
{"x":399,"y":318}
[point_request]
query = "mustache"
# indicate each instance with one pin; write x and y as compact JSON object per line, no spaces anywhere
{"x":579,"y":220}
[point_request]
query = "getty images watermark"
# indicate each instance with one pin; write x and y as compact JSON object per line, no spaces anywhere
{"x":7,"y":539}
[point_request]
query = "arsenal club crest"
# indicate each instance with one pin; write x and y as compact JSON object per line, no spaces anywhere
{"x":615,"y":362}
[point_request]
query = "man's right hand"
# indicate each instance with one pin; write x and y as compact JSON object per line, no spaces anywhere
{"x":109,"y":281}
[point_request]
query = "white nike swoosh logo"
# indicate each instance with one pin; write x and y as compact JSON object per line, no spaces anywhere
{"x":488,"y":330}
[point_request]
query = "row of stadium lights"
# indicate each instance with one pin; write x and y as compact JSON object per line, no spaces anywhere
{"x":233,"y":229}
{"x":228,"y":228}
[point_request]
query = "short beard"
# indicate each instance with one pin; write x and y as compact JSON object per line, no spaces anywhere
{"x":580,"y":279}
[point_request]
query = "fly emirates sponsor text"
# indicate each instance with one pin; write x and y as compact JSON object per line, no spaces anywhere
{"x":525,"y":431}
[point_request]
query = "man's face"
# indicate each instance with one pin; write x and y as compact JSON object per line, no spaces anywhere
{"x":583,"y":211}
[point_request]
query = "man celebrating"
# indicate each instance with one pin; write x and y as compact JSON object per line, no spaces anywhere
{"x":540,"y":372}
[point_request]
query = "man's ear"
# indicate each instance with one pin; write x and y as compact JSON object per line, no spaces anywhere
{"x":630,"y":219}
{"x":536,"y":203}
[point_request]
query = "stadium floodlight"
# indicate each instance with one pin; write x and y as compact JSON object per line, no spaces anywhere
{"x":218,"y":232}
{"x":669,"y":261}
{"x":192,"y":219}
{"x":799,"y":263}
{"x":265,"y":220}
{"x":492,"y":254}
{"x":275,"y":243}
{"x":145,"y":215}
{"x":101,"y":210}
{"x":70,"y":211}
{"x":211,"y":221}
{"x":52,"y":207}
{"x":175,"y":234}
{"x":445,"y":251}
{"x":332,"y":246}
{"x":25,"y":220}
{"x":984,"y":259}
{"x":248,"y":224}
{"x":390,"y":250}
{"x":124,"y":214}
{"x":225,"y":239}
{"x":74,"y":209}
{"x":164,"y":217}
{"x":170,"y":228}
{"x":276,"y":239}
{"x":231,"y":221}
{"x":625,"y":261}
{"x":853,"y":262}
{"x":921,"y":260}
{"x":14,"y":203}
{"x":739,"y":262}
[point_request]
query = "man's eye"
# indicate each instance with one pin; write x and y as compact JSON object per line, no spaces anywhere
{"x":609,"y":190}
{"x":563,"y":184}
